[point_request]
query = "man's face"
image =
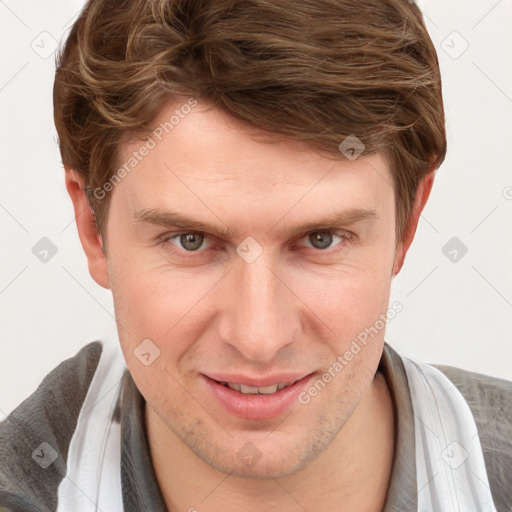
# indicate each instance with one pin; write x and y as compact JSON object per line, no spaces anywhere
{"x":265,"y":302}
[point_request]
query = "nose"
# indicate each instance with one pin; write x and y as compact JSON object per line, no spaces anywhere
{"x":260,"y":313}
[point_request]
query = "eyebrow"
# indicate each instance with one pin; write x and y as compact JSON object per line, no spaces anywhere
{"x":170,"y":219}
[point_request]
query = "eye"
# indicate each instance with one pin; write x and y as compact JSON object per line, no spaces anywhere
{"x":323,"y":239}
{"x":192,"y":242}
{"x":189,"y":242}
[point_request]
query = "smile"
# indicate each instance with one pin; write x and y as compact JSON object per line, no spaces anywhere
{"x":253,"y":400}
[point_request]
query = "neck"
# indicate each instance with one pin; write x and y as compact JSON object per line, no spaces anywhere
{"x":352,"y":474}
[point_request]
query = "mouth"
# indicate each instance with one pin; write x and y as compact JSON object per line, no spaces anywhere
{"x":253,"y":390}
{"x":265,"y":401}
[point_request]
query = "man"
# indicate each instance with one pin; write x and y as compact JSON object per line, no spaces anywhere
{"x":247,"y":178}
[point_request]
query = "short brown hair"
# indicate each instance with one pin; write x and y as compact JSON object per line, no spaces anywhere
{"x":315,"y":71}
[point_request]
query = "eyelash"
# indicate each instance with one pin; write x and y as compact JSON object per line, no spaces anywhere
{"x":166,"y":240}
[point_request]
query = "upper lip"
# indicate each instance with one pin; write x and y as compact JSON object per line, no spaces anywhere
{"x":257,"y":382}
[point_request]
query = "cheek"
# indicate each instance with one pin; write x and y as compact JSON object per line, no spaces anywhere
{"x":153,"y":305}
{"x":347,"y":299}
{"x":159,"y":303}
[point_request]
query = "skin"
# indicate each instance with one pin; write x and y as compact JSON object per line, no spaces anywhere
{"x":295,"y":308}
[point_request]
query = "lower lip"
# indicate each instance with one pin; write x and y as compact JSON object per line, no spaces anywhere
{"x":256,"y":407}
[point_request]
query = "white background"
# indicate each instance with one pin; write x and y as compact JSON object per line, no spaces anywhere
{"x":455,"y":313}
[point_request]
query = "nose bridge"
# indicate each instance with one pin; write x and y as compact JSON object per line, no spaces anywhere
{"x":260,"y":319}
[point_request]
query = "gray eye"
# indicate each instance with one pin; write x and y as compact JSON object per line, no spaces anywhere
{"x":191,"y":241}
{"x":320,"y":239}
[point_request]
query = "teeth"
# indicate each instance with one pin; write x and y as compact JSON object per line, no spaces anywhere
{"x":268,"y":390}
{"x":251,"y":390}
{"x":236,"y":387}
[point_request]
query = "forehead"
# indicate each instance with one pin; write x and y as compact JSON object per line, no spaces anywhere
{"x":202,"y":155}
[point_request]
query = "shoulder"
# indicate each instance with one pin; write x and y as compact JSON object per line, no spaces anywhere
{"x":35,"y":437}
{"x":489,"y":398}
{"x":490,"y":401}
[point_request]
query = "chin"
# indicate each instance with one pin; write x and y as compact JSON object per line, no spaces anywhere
{"x":264,"y":456}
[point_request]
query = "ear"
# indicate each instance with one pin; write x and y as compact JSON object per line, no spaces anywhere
{"x":90,"y":237}
{"x":420,"y":199}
